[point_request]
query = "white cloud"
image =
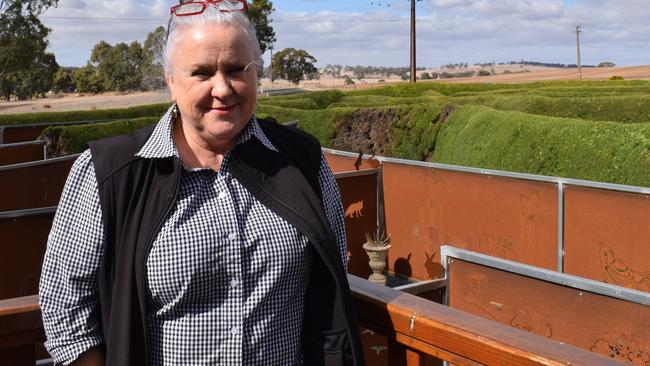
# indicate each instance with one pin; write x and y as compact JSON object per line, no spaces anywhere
{"x":78,"y":25}
{"x":447,"y":30}
{"x":475,"y":31}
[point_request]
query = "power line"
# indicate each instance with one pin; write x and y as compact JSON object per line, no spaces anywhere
{"x":274,"y":20}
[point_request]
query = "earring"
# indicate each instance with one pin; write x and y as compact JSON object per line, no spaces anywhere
{"x":174,"y":111}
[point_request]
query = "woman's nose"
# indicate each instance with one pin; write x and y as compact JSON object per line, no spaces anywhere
{"x":221,"y":87}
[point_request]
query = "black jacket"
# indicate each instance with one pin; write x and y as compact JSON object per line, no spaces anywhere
{"x":136,"y":196}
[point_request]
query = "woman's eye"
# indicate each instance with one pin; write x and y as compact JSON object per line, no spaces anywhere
{"x":200,"y":73}
{"x":238,"y":71}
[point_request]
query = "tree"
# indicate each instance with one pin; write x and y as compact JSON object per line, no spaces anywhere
{"x":62,"y":81}
{"x":119,"y":67}
{"x":425,"y":76}
{"x":34,"y":7}
{"x":23,"y":40}
{"x":152,"y":63}
{"x":37,"y":80}
{"x":292,"y":64}
{"x":259,"y":12}
{"x":86,"y":79}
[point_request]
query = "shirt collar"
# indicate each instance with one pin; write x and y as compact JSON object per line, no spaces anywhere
{"x":161,"y":142}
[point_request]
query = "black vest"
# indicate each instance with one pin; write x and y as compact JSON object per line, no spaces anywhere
{"x":137,"y":195}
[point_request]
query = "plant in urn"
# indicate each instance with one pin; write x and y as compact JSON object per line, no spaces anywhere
{"x":377,"y":249}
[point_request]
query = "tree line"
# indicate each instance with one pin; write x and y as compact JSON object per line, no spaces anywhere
{"x":27,"y":70}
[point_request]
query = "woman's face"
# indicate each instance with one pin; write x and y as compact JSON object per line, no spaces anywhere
{"x":213,"y":82}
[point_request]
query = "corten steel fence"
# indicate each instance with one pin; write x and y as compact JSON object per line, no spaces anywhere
{"x":29,"y":132}
{"x":34,"y":184}
{"x":610,"y":320}
{"x":23,"y":235}
{"x":22,"y":152}
{"x":417,"y":329}
{"x":590,"y":229}
{"x":359,"y":198}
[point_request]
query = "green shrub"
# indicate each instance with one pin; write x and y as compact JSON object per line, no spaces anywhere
{"x":320,"y":122}
{"x":365,"y":101}
{"x":616,"y":77}
{"x":153,"y":110}
{"x":309,"y":100}
{"x":66,"y":140}
{"x":415,"y":131}
{"x":481,"y":137}
{"x":630,"y":108}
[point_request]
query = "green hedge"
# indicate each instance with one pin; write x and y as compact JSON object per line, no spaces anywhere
{"x":631,"y":108}
{"x":459,"y":89}
{"x":308,"y":100}
{"x":66,"y":140}
{"x":482,"y":137}
{"x":99,"y":114}
{"x":366,"y":101}
{"x":320,"y":122}
{"x":415,"y":131}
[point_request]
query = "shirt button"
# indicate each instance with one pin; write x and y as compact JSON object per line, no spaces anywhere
{"x":234,"y":330}
{"x":232,"y":236}
{"x":221,"y":195}
{"x":234,"y":283}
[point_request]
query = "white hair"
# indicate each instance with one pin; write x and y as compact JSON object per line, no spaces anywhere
{"x":211,"y":15}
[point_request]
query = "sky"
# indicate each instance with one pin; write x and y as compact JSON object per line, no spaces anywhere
{"x":376,"y":32}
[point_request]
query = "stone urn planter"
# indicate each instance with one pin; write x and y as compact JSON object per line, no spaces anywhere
{"x":377,"y":250}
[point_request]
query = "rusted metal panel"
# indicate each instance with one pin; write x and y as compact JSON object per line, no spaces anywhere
{"x":503,"y":217}
{"x":612,"y":327}
{"x":340,"y":163}
{"x":22,"y":244}
{"x":21,"y":153}
{"x":14,"y":134}
{"x":359,"y":197}
{"x":606,"y":236}
{"x":33,"y":185}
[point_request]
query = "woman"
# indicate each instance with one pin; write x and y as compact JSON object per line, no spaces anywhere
{"x":209,"y":238}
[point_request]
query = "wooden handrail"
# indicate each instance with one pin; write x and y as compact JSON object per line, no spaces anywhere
{"x":21,"y":329}
{"x":456,"y":336}
{"x":417,"y":325}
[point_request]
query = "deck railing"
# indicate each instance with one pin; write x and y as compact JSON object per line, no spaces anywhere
{"x":416,"y":329}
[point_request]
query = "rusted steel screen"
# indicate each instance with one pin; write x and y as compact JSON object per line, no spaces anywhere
{"x":33,"y":185}
{"x":340,"y":163}
{"x":14,"y":154}
{"x":607,"y":236}
{"x":359,"y":197}
{"x":608,"y":326}
{"x":503,"y":217}
{"x":15,"y":134}
{"x":22,"y":247}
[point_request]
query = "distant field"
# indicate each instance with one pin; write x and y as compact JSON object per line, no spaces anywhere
{"x":112,"y":100}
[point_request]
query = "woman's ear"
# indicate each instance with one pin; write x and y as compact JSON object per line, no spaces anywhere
{"x":169,"y":79}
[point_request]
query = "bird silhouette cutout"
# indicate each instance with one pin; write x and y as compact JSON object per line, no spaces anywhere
{"x":378,"y":349}
{"x":620,"y":274}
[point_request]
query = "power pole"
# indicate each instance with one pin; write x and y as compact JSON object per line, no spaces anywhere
{"x":578,"y":31}
{"x":413,"y":41}
{"x":271,"y":65}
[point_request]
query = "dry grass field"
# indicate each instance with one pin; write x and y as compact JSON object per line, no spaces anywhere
{"x":116,"y":100}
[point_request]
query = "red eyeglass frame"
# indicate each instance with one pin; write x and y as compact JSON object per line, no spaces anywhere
{"x":204,"y":4}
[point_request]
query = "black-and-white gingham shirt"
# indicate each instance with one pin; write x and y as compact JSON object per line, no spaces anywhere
{"x":225,"y":276}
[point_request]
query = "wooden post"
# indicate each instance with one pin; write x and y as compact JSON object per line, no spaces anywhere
{"x":413,"y":41}
{"x":578,"y":31}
